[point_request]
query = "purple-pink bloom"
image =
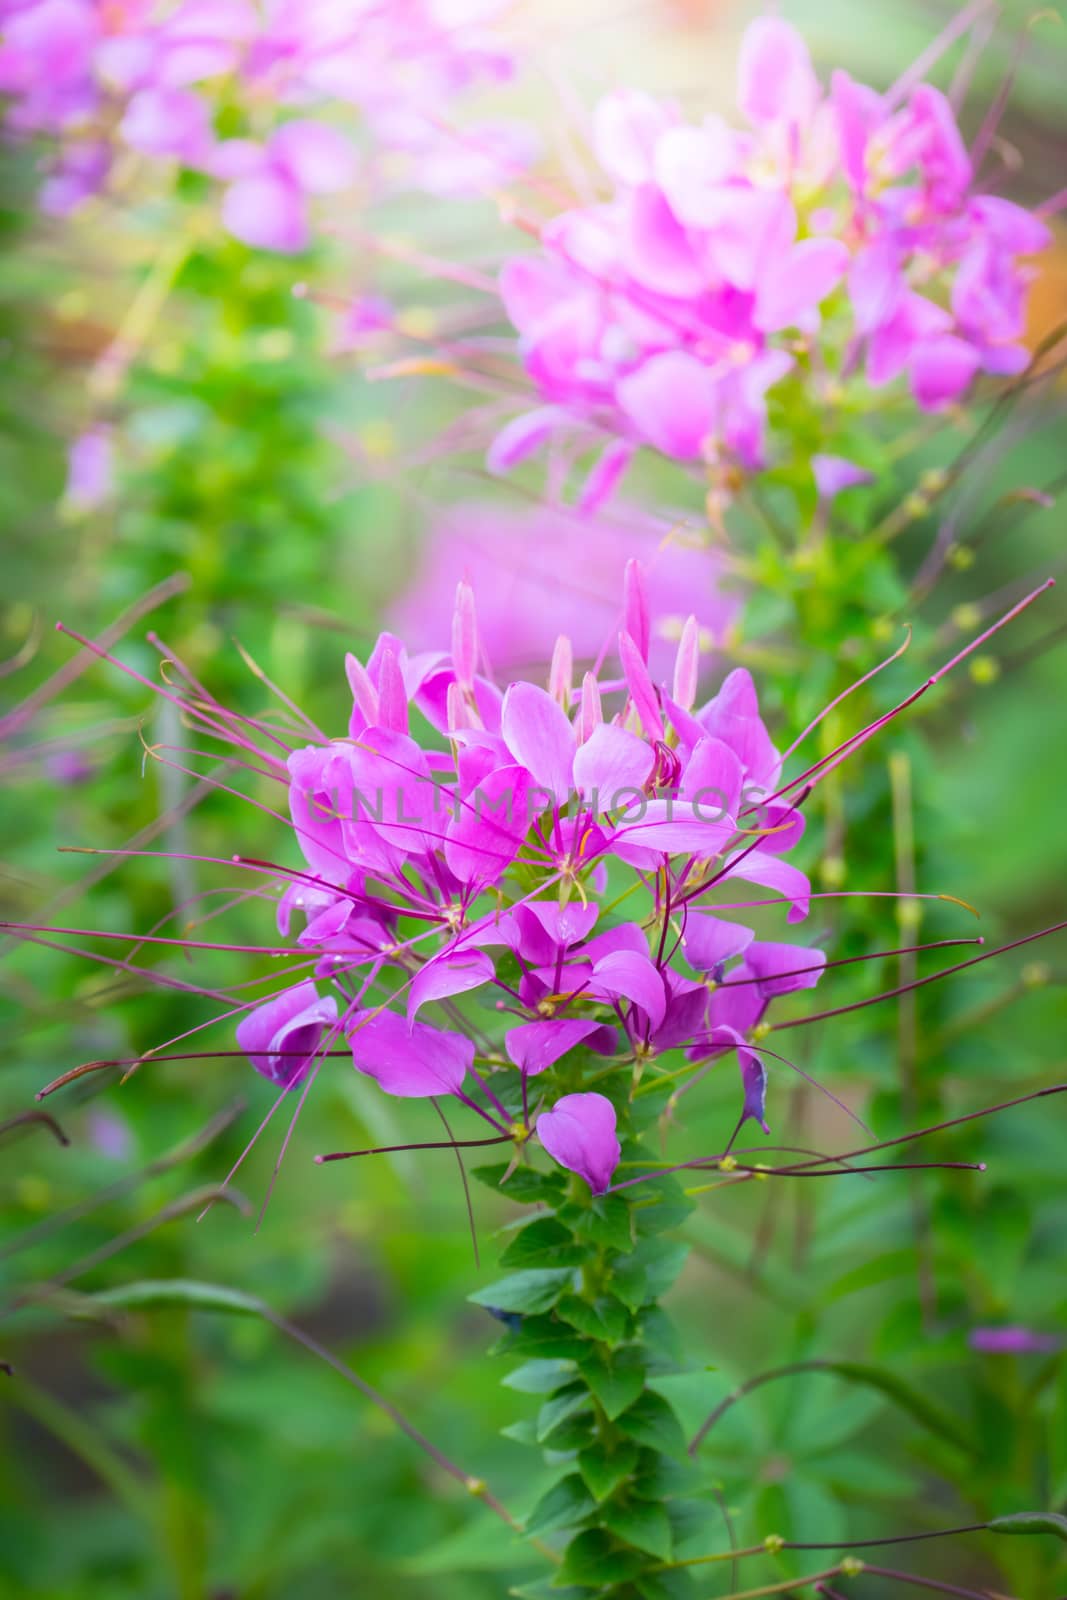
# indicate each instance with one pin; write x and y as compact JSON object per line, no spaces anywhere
{"x":158,"y":76}
{"x":280,"y":1037}
{"x":1012,"y":1340}
{"x":667,"y":310}
{"x":531,"y":588}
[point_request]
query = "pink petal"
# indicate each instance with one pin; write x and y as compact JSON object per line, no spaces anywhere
{"x":267,"y":212}
{"x":486,"y":834}
{"x":766,"y":961}
{"x":796,"y":284}
{"x":770,"y":872}
{"x":941,"y":369}
{"x":834,"y":474}
{"x":167,"y":122}
{"x":690,"y":165}
{"x":533,"y":1046}
{"x":579,"y":1133}
{"x":626,"y":127}
{"x":281,"y":1036}
{"x":522,"y":436}
{"x":539,"y":736}
{"x":611,"y":764}
{"x":630,"y":976}
{"x":712,"y":779}
{"x":709,"y":941}
{"x":668,"y":827}
{"x":411,"y":1063}
{"x":659,"y":253}
{"x":756,"y":226}
{"x":776,"y":82}
{"x":448,"y":975}
{"x":318,"y":158}
{"x":672,"y":401}
{"x":605,"y":475}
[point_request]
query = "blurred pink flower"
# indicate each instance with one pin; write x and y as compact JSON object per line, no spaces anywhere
{"x":157,"y":75}
{"x":546,"y":571}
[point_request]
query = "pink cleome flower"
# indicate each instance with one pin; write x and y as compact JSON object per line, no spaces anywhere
{"x":149,"y":76}
{"x":429,"y":874}
{"x":833,"y":234}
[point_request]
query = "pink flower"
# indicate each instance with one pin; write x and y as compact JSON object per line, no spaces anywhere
{"x":665,"y":314}
{"x":158,"y":75}
{"x":531,"y":589}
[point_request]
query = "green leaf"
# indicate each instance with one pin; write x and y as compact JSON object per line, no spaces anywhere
{"x":677,"y":1585}
{"x":525,"y":1185}
{"x":592,"y":1561}
{"x":649,"y":1271}
{"x":662,"y":1263}
{"x":528,"y":1292}
{"x":924,"y":1410}
{"x":606,"y":1221}
{"x":545,"y":1589}
{"x":652,"y":1422}
{"x":604,"y":1469}
{"x":539,"y":1377}
{"x":169,"y":1292}
{"x":558,"y":1410}
{"x":643,"y":1524}
{"x":658,"y":1478}
{"x":544,"y":1243}
{"x":659,"y":1335}
{"x":616,"y":1378}
{"x":542,"y":1337}
{"x":629,"y":1283}
{"x":605,"y":1318}
{"x":1031,"y":1522}
{"x":668,"y":1205}
{"x":523,"y":1431}
{"x":566,"y":1503}
{"x":481,"y":1545}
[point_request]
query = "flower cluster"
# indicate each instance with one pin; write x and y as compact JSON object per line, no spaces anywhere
{"x":164,"y":79}
{"x":489,"y":866}
{"x":836,"y":234}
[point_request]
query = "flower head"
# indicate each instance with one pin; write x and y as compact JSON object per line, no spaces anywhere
{"x":159,"y":77}
{"x":836,"y":234}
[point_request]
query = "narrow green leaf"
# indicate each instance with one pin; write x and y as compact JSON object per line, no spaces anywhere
{"x":917,"y":1404}
{"x":1031,"y":1522}
{"x":526,"y":1292}
{"x":169,"y":1292}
